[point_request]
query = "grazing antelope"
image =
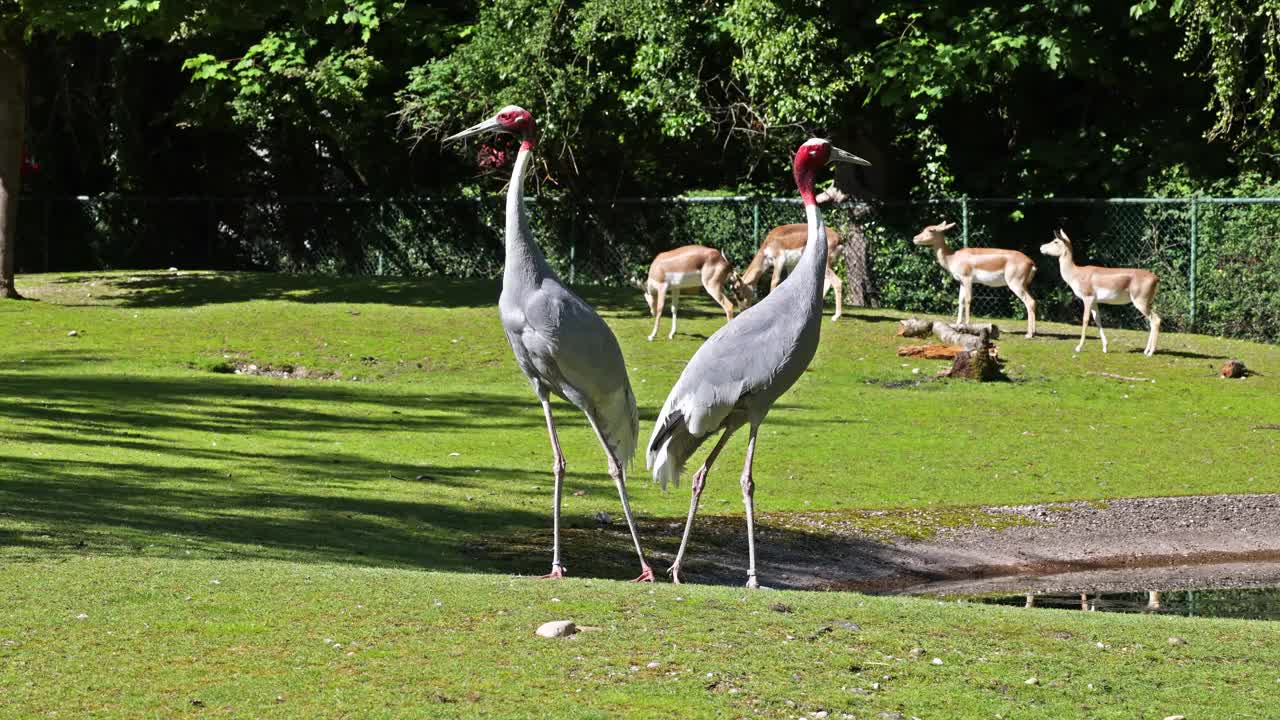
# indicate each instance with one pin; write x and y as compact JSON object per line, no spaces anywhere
{"x":986,"y":266}
{"x":683,"y":268}
{"x":1109,"y":286}
{"x":781,"y":251}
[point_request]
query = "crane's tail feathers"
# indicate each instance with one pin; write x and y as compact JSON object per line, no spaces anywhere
{"x":670,"y":449}
{"x":618,"y":423}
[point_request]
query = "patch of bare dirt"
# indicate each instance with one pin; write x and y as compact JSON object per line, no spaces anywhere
{"x":1142,"y":543}
{"x":292,"y":372}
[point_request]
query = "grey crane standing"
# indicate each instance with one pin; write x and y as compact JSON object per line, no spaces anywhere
{"x":739,"y":372}
{"x":559,"y":342}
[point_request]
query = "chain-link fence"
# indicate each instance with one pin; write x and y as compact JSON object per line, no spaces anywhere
{"x":1218,"y":259}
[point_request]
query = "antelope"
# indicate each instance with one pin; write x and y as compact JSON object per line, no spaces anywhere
{"x":781,"y":251}
{"x":1109,"y":286}
{"x":683,"y":268}
{"x":992,"y":267}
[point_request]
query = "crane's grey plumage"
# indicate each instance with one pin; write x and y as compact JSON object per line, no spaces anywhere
{"x":738,"y":373}
{"x":560,"y":343}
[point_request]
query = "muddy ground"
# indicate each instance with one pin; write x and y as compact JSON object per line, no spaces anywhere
{"x":1222,"y":541}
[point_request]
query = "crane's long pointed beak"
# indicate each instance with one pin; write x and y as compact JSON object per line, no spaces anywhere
{"x":486,"y":126}
{"x":838,"y":155}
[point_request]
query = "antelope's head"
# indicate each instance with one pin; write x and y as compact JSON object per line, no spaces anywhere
{"x":1059,"y":246}
{"x":932,"y":236}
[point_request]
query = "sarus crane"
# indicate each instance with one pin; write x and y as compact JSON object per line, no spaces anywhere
{"x":738,"y":373}
{"x":560,"y":343}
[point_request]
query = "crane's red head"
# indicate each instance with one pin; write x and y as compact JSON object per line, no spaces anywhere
{"x":512,"y":120}
{"x":811,"y":156}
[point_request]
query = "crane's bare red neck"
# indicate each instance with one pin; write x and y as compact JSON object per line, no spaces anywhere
{"x":520,"y":122}
{"x":809,"y":159}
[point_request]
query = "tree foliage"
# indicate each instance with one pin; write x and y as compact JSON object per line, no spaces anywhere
{"x":1240,"y":43}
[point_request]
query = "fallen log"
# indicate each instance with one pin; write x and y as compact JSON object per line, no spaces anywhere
{"x":930,"y":352}
{"x":967,"y":336}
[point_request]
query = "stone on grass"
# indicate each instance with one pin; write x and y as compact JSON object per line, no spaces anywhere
{"x":1177,"y":641}
{"x":937,"y":661}
{"x":1032,"y":681}
{"x":73,"y":333}
{"x":557,"y":628}
{"x":1176,"y":717}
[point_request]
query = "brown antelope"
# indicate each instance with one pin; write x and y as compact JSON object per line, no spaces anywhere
{"x":781,"y":251}
{"x":683,"y":268}
{"x":992,"y":267}
{"x":1109,"y":286}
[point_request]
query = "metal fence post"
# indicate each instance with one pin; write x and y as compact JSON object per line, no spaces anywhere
{"x":48,"y":210}
{"x":1195,"y":260}
{"x":573,"y":245}
{"x":755,"y":222}
{"x":210,"y":232}
{"x":964,"y":220}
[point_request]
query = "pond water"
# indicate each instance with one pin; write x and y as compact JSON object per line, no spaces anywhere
{"x":1250,"y":604}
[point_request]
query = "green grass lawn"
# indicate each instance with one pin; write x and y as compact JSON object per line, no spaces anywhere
{"x":133,"y":473}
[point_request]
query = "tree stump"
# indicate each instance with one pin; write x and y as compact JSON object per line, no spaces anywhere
{"x":977,"y":358}
{"x":1233,"y":369}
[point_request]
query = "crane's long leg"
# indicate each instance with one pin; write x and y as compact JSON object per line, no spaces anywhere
{"x":620,"y":480}
{"x":748,"y":499}
{"x":695,"y":493}
{"x":557,"y":469}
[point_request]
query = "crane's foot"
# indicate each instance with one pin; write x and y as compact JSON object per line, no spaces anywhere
{"x":557,"y":572}
{"x":674,"y":572}
{"x":752,"y":582}
{"x":646,"y":576}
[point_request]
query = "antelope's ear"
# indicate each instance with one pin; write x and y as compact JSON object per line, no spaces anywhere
{"x":1062,"y":235}
{"x":946,"y":226}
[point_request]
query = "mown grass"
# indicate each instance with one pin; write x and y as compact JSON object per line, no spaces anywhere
{"x":114,"y":637}
{"x":132,"y":474}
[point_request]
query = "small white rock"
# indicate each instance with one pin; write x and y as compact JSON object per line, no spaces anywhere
{"x":82,"y":616}
{"x":1032,"y":681}
{"x":73,"y":333}
{"x":654,"y":664}
{"x":820,"y":714}
{"x":937,"y":661}
{"x":557,"y":628}
{"x":1176,"y":717}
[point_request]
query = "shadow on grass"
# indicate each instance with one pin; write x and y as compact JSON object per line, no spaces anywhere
{"x":166,"y":290}
{"x":237,"y":467}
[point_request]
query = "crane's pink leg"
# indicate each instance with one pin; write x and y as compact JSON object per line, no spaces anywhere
{"x":557,"y":470}
{"x":748,"y":499}
{"x":620,"y":481}
{"x":699,"y":481}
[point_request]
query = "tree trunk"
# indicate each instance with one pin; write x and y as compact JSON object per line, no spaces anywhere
{"x":857,"y":286}
{"x":13,"y":115}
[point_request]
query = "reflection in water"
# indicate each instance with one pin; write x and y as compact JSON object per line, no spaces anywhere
{"x":1252,"y":604}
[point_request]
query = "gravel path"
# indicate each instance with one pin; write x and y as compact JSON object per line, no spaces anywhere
{"x":1129,"y":544}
